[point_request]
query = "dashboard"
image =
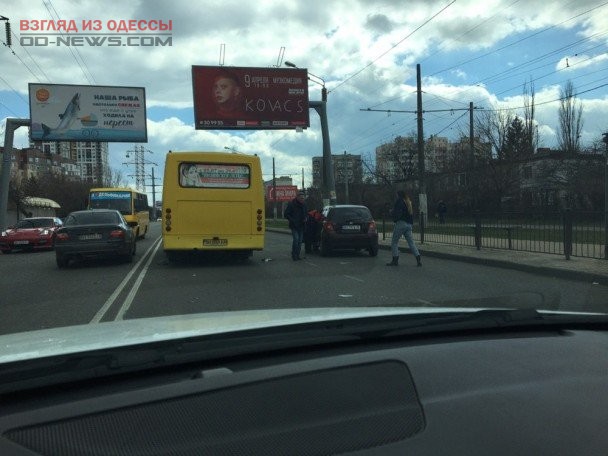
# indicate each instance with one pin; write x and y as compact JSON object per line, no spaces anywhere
{"x":496,"y":393}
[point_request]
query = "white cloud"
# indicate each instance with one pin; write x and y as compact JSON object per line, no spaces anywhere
{"x":367,"y":51}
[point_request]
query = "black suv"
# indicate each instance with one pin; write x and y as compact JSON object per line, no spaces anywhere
{"x":348,"y":227}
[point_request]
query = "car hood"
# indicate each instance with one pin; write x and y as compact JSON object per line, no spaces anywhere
{"x":85,"y":338}
{"x":107,"y":335}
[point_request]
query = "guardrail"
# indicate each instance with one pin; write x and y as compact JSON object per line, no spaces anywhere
{"x":568,"y":233}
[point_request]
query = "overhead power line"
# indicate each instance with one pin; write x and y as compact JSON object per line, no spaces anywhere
{"x":74,"y":51}
{"x":518,"y":41}
{"x":394,"y":46}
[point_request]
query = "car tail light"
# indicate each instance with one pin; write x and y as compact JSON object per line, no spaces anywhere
{"x":62,"y":237}
{"x":329,"y":226}
{"x":372,"y":228}
{"x":117,"y":234}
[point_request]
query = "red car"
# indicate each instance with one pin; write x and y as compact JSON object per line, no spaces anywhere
{"x":34,"y":233}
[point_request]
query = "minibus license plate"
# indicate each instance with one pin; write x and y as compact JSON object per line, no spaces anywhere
{"x":215,"y":242}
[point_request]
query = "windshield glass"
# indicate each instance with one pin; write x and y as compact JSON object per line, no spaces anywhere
{"x":120,"y":201}
{"x":347,"y":155}
{"x":342,"y":215}
{"x":35,"y":223}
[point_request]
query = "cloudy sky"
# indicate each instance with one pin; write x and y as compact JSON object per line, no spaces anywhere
{"x":366,"y":51}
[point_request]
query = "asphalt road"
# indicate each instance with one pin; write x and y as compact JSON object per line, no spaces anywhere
{"x":35,"y":294}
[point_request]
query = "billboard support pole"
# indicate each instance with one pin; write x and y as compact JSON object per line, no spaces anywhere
{"x":329,"y":184}
{"x":5,"y":176}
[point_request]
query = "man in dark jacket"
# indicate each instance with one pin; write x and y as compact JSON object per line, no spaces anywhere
{"x":296,"y":213}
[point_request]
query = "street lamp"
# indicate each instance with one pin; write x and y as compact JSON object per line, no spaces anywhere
{"x":321,"y":83}
{"x":329,"y":185}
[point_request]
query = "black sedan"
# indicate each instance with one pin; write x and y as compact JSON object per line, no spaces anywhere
{"x":94,"y":234}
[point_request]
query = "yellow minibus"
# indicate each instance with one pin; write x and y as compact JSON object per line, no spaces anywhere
{"x":132,"y":204}
{"x":212,"y":201}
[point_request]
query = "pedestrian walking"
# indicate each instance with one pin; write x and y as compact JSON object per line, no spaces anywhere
{"x":403,"y":216}
{"x":442,"y":208}
{"x":297,"y":214}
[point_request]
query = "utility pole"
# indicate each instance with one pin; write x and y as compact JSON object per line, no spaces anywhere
{"x":472,"y":155}
{"x":154,"y":185}
{"x":274,"y":190}
{"x":419,"y":112}
{"x":422,"y":186}
{"x":140,"y":168}
{"x":605,"y":139}
{"x":345,"y":175}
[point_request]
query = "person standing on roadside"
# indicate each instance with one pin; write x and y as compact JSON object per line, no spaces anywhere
{"x":442,"y":208}
{"x":297,"y":214}
{"x":403,"y":216}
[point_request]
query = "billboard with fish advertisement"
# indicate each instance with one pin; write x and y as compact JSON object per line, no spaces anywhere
{"x":87,"y":113}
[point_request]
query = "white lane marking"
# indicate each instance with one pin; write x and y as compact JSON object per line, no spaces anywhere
{"x":100,"y":314}
{"x":125,"y":305}
{"x":354,"y":278}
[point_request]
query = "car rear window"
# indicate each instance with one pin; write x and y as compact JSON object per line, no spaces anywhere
{"x":350,"y":214}
{"x":92,"y":218}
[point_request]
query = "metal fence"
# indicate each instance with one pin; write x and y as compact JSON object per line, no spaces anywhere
{"x":568,"y":233}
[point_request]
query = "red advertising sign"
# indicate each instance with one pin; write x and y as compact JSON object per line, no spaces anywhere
{"x":250,"y":98}
{"x":283,"y":193}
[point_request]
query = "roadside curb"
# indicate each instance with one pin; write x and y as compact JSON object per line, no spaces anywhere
{"x":471,"y":257}
{"x":549,"y":271}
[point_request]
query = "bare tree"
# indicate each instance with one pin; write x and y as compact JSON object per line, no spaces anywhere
{"x":492,"y":127}
{"x":530,"y":130}
{"x":570,"y":120}
{"x":114,"y":178}
{"x":397,"y":161}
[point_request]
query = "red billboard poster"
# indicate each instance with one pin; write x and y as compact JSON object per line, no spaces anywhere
{"x":250,"y":98}
{"x":283,"y":192}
